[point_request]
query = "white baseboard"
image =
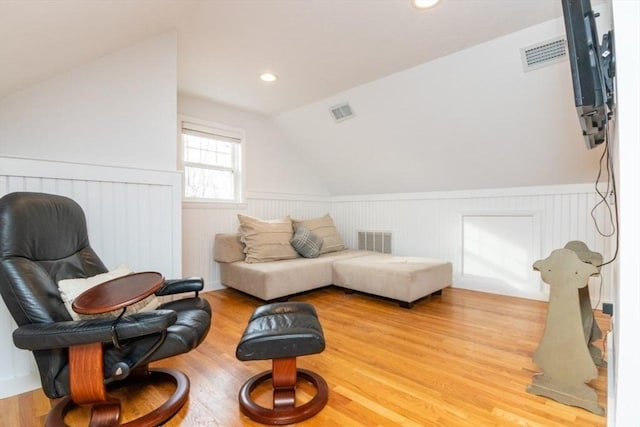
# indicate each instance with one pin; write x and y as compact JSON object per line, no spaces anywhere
{"x":17,"y":385}
{"x":213,"y":286}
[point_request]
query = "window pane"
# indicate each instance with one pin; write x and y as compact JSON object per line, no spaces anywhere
{"x":211,"y":160}
{"x":208,"y":184}
{"x":191,"y":155}
{"x":207,"y":151}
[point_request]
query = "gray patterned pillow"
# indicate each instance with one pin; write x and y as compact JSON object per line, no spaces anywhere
{"x":306,"y":243}
{"x":325,"y":228}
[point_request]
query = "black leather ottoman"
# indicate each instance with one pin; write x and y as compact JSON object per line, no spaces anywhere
{"x":281,"y":332}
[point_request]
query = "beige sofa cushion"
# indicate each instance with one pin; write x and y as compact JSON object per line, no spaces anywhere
{"x":266,"y":240}
{"x":401,"y":278}
{"x":228,"y":248}
{"x":325,"y":229}
{"x":271,"y":280}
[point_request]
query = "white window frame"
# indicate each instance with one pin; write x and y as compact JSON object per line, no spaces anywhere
{"x":226,"y":132}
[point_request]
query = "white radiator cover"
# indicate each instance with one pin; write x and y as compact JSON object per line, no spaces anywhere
{"x":378,"y":241}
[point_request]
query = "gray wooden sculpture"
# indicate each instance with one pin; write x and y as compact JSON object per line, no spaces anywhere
{"x":591,"y":329}
{"x":563,"y":353}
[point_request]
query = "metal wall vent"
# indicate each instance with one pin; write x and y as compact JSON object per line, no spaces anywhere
{"x":379,"y":241}
{"x":341,"y":112}
{"x":544,"y":53}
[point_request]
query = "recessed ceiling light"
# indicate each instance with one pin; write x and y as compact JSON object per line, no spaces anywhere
{"x":425,"y":4}
{"x":268,"y":77}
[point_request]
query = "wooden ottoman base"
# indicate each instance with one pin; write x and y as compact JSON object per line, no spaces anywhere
{"x":284,"y":377}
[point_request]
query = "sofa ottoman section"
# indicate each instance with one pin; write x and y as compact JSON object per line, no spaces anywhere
{"x":405,"y":279}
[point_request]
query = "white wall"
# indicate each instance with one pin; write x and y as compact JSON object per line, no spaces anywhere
{"x":273,"y":165}
{"x":469,"y":120}
{"x":626,"y":329}
{"x":118,"y":110}
{"x":104,"y":134}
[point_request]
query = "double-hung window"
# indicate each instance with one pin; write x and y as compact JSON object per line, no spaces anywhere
{"x":211,"y":160}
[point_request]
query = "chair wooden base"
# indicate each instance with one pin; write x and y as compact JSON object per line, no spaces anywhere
{"x":107,"y":413}
{"x":284,"y":377}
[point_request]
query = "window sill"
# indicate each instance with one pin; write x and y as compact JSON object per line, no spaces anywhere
{"x":212,"y":204}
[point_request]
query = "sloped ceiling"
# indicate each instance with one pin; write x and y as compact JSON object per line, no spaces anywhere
{"x":470,"y":120}
{"x":317,"y":47}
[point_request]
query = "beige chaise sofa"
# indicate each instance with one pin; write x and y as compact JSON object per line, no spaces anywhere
{"x":274,"y":279}
{"x":403,"y":279}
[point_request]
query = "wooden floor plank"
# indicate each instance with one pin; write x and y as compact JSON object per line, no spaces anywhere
{"x":460,"y":359}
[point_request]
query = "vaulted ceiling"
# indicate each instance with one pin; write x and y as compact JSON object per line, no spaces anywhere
{"x":316,"y":47}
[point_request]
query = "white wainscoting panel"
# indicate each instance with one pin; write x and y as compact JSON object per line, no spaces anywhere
{"x":133,"y":217}
{"x":498,"y":249}
{"x":431,"y":224}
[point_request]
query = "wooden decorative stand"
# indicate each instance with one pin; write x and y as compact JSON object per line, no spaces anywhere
{"x":590,"y":327}
{"x":565,"y":352}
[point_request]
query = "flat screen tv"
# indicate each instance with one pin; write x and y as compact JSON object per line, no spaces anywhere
{"x":592,"y":69}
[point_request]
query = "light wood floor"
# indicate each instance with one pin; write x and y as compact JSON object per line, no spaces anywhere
{"x":460,"y":359}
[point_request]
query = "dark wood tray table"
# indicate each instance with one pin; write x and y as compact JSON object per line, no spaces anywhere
{"x":118,"y":293}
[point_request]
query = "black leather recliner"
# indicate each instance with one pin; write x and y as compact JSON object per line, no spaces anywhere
{"x":43,"y":239}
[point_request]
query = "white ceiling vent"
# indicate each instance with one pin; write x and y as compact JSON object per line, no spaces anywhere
{"x":543,"y":54}
{"x":341,"y":112}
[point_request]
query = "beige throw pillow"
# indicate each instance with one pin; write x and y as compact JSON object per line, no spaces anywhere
{"x":266,"y":240}
{"x":70,"y":289}
{"x":324,"y":228}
